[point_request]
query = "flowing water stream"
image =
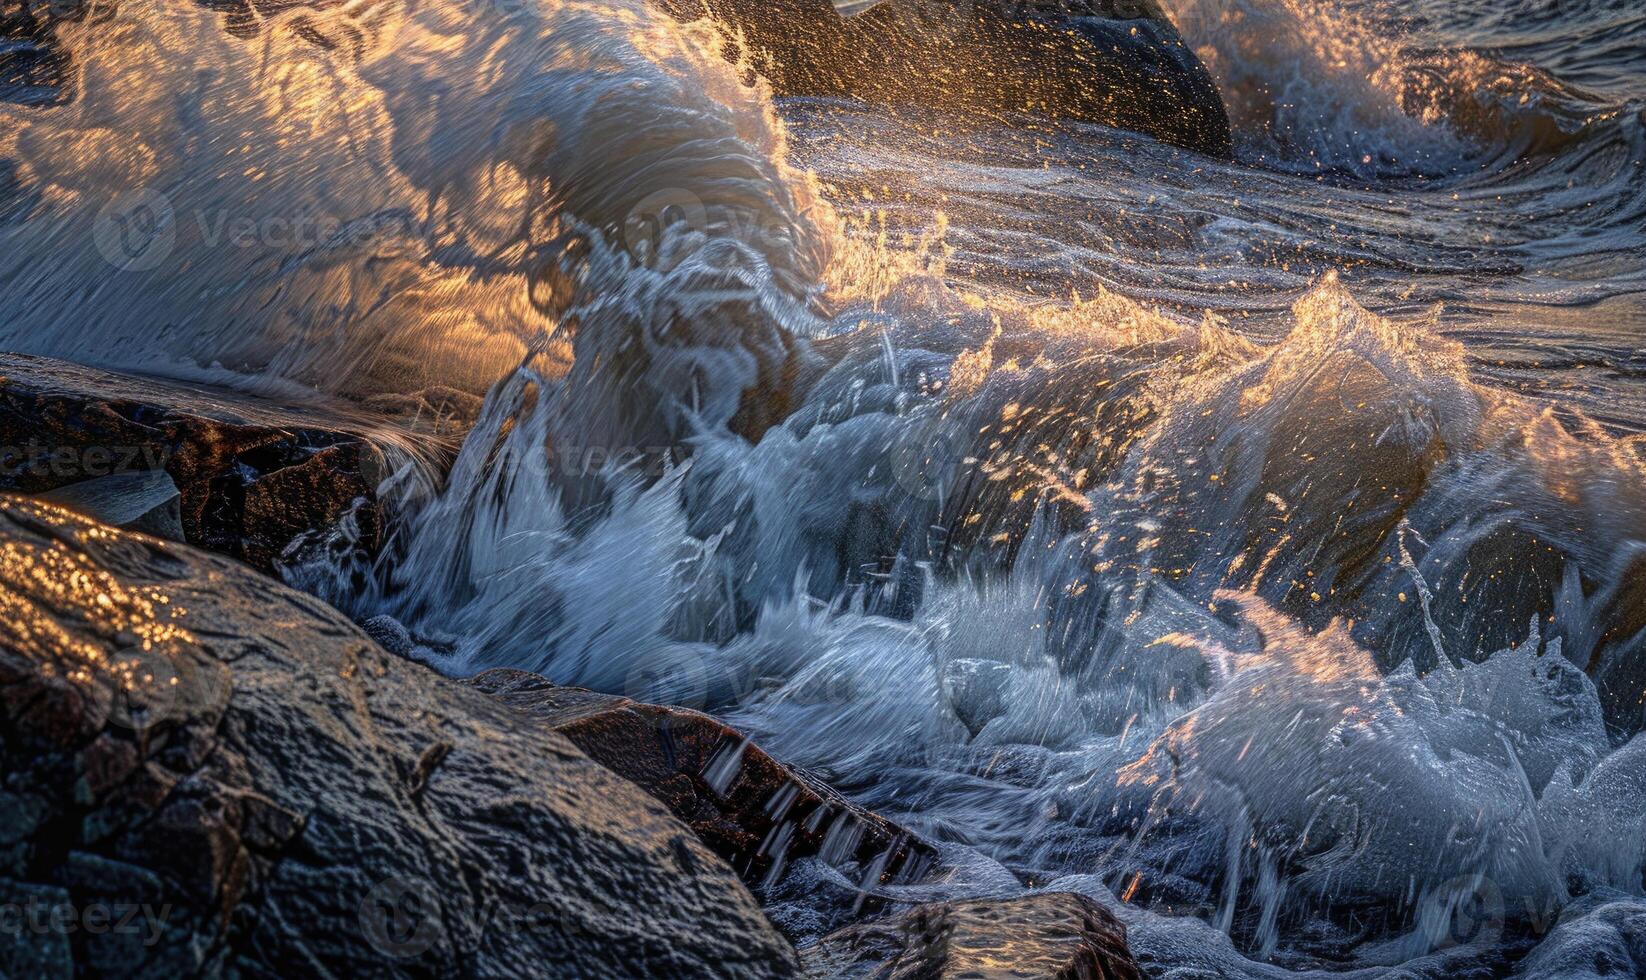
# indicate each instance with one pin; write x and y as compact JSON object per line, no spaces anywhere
{"x":1260,"y":544}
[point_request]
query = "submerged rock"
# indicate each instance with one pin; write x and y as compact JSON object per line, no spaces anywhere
{"x":1120,"y":63}
{"x":1054,"y":934}
{"x":225,"y":777}
{"x":752,"y":810}
{"x":251,"y":477}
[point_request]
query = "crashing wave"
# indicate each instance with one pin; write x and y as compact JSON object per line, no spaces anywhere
{"x":1303,"y":650}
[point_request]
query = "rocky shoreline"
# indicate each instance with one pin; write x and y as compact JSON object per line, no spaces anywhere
{"x":208,"y":773}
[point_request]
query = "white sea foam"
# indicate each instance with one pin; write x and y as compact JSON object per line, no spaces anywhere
{"x":1086,"y":591}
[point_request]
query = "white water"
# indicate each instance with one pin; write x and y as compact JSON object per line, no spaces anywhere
{"x":1105,"y":597}
{"x":1124,"y":699}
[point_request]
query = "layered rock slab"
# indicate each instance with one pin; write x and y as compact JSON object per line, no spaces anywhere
{"x":752,"y":810}
{"x":252,"y":477}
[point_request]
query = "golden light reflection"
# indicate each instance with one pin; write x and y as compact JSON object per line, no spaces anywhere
{"x":75,"y":620}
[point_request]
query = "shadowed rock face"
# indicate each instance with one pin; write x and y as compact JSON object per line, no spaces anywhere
{"x":753,"y":811}
{"x":251,"y":476}
{"x":1120,"y":63}
{"x":276,"y":795}
{"x":1052,"y":935}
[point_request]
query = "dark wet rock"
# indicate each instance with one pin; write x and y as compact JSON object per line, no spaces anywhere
{"x":1052,"y":935}
{"x":251,"y":477}
{"x":1120,"y":63}
{"x":266,"y":792}
{"x":752,"y":810}
{"x":393,"y":636}
{"x":46,"y":955}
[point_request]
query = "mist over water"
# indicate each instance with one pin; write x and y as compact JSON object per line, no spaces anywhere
{"x":1257,"y":546}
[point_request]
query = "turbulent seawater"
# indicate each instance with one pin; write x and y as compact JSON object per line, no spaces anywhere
{"x":1257,"y":546}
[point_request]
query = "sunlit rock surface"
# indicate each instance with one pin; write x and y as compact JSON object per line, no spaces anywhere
{"x":1056,"y":934}
{"x":278,"y":796}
